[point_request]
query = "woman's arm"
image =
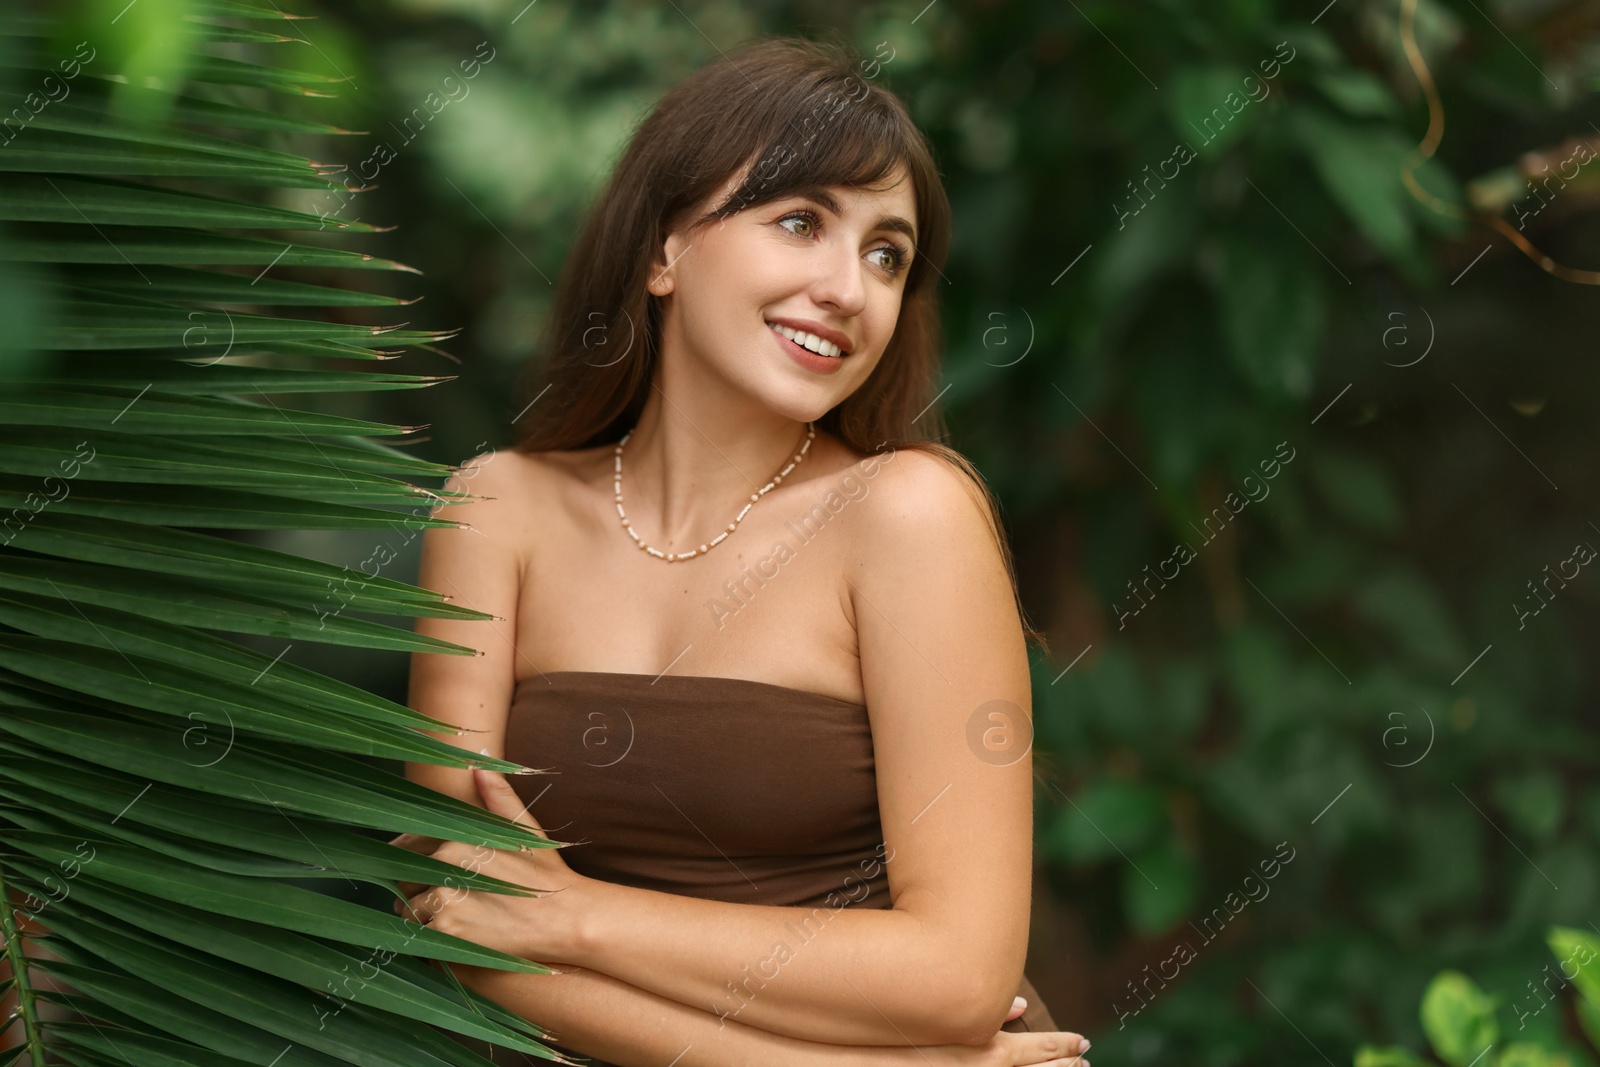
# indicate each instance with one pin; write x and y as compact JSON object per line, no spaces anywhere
{"x":945,"y":669}
{"x":597,"y":1015}
{"x":814,"y":973}
{"x":478,"y":568}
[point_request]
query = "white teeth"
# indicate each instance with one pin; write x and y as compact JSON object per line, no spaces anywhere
{"x":810,"y":342}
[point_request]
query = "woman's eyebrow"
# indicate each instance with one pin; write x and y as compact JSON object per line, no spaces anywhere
{"x":892,"y":223}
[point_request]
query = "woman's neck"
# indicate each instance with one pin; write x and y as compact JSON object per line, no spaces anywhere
{"x":687,"y":470}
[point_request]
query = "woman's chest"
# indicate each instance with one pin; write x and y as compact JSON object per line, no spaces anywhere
{"x":771,"y":602}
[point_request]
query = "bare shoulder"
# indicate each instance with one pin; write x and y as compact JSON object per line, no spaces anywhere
{"x":507,"y":481}
{"x":500,"y":485}
{"x":500,"y":474}
{"x":922,"y":500}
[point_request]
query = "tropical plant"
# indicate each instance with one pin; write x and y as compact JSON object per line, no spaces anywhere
{"x":1463,"y":1026}
{"x":174,"y":797}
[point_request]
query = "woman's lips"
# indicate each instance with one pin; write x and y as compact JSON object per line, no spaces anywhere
{"x":807,"y":358}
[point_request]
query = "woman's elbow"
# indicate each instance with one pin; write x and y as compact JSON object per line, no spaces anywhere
{"x":975,"y":1013}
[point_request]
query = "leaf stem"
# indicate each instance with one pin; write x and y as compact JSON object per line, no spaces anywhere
{"x":11,"y":932}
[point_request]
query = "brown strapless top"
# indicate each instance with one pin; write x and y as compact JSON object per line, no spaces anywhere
{"x":721,"y":788}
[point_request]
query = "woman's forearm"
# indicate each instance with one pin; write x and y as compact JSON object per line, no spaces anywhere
{"x":851,"y":976}
{"x":597,"y":1015}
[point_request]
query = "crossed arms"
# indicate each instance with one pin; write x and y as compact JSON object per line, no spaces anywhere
{"x":941,"y":649}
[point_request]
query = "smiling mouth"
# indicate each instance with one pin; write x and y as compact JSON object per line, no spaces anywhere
{"x":809,"y":342}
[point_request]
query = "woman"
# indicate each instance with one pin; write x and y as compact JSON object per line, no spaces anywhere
{"x":764,"y":631}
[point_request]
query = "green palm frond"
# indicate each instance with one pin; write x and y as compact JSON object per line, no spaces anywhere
{"x":173,"y":801}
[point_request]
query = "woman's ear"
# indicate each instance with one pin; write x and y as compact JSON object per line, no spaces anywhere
{"x":661,"y":280}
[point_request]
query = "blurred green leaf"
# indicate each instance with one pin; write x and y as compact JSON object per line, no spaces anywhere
{"x":1442,"y":866}
{"x":1258,"y":672}
{"x":1311,"y":43}
{"x":1458,"y":1018}
{"x":1109,"y":819}
{"x":1211,"y":108}
{"x":1359,"y":165}
{"x":1162,"y":889}
{"x":1357,"y":490}
{"x":1392,"y":1056}
{"x":1589,"y":1019}
{"x":1527,"y":1054}
{"x":1533,"y":801}
{"x":1146,"y":245}
{"x":1579,"y":954}
{"x":1121,"y":697}
{"x":1183,"y":694}
{"x":1273,"y":314}
{"x":1358,"y":92}
{"x":1410,"y":615}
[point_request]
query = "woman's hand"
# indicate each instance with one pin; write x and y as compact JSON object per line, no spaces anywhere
{"x":422,"y":846}
{"x":543,"y":928}
{"x":1055,"y":1049}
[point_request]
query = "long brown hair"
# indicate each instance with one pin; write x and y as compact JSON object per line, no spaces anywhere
{"x":800,"y":115}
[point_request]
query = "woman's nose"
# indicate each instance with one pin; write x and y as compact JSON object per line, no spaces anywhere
{"x":840,"y":284}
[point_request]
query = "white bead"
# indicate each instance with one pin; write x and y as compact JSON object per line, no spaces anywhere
{"x":674,"y":557}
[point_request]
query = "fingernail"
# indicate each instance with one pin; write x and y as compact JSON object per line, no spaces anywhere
{"x":1018,"y":1002}
{"x":1083,"y":1047}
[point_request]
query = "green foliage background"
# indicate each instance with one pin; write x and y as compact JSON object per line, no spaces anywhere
{"x":1342,"y":665}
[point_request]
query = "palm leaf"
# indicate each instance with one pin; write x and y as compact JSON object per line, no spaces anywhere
{"x":209,"y":287}
{"x":175,"y":804}
{"x":190,"y":816}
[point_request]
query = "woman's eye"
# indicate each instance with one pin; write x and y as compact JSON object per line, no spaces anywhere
{"x":894,"y":258}
{"x":800,"y":220}
{"x":894,"y":261}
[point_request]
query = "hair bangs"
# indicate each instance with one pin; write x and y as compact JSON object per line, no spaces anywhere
{"x":862,"y":147}
{"x":828,"y":139}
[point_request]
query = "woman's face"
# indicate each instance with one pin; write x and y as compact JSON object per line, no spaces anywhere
{"x":831,"y":263}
